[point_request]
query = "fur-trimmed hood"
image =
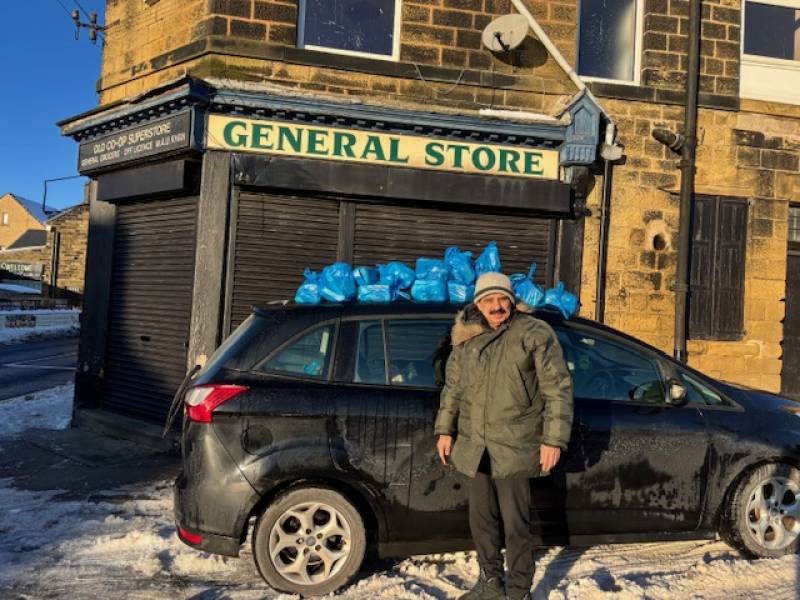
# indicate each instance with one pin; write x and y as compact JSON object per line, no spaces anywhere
{"x":469,"y":322}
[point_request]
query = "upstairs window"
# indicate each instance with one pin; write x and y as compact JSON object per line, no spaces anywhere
{"x":608,"y":40}
{"x":794,"y":224}
{"x":356,"y":27}
{"x":5,"y":218}
{"x":770,"y":68}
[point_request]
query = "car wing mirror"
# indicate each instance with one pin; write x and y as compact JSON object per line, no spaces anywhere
{"x":677,"y":394}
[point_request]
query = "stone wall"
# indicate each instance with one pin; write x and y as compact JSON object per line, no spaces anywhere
{"x":73,"y":227}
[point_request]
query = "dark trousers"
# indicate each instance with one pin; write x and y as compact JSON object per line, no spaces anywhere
{"x":498,"y":506}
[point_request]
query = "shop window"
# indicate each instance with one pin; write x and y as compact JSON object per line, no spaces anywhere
{"x":770,"y":68}
{"x":716,"y":300}
{"x":357,"y":27}
{"x":609,"y":39}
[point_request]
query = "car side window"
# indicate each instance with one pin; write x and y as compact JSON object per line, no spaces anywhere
{"x":699,"y":393}
{"x":414,"y":349}
{"x":603,"y":369}
{"x":370,"y":359}
{"x":307,"y":356}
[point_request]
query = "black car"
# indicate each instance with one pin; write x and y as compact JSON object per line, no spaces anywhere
{"x":317,"y":423}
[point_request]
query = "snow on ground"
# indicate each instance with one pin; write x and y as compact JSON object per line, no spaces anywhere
{"x":121,"y":544}
{"x":48,"y":409}
{"x":20,"y":334}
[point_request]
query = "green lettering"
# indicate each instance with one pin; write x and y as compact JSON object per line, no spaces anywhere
{"x":373,"y":146}
{"x":434,"y":156}
{"x":508,"y":161}
{"x":487,"y":162}
{"x":291,"y":136}
{"x":236,"y":140}
{"x":394,"y":151}
{"x":315,"y":144}
{"x":458,"y":154}
{"x":532,"y":166}
{"x":260,"y":135}
{"x":343,"y":144}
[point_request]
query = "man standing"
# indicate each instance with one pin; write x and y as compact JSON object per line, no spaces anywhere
{"x":505,"y":416}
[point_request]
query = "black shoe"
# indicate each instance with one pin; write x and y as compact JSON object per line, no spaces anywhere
{"x":490,"y":588}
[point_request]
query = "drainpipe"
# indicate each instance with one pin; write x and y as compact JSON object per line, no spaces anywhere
{"x":605,"y":218}
{"x":687,"y":166}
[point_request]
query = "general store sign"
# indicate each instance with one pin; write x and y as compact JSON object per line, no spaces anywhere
{"x":329,"y":143}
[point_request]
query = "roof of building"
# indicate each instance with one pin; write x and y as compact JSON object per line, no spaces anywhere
{"x":33,"y":238}
{"x":66,"y":211}
{"x":34,"y":208}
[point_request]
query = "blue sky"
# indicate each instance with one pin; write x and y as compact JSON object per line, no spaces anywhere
{"x":45,"y":76}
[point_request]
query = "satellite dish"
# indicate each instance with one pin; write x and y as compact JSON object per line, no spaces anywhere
{"x":505,"y":33}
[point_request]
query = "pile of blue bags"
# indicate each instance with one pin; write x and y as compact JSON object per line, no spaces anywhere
{"x":448,"y":279}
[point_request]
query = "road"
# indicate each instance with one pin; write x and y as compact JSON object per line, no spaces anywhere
{"x":31,"y":366}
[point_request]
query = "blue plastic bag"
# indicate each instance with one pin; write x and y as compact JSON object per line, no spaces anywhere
{"x":489,"y":260}
{"x":429,"y":290}
{"x":432,"y":268}
{"x":366,"y":275}
{"x":526,"y":290}
{"x":337,"y":283}
{"x":460,"y":265}
{"x":379,"y":293}
{"x":397,"y":274}
{"x":562,"y":300}
{"x":308,"y":292}
{"x":460,"y":293}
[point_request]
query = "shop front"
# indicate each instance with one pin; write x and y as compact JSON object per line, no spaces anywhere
{"x":216,"y":200}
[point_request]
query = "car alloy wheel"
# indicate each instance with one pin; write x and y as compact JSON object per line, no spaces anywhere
{"x":763,"y":518}
{"x":773,"y":512}
{"x":309,"y":541}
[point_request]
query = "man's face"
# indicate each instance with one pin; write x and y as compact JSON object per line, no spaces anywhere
{"x":495,"y":308}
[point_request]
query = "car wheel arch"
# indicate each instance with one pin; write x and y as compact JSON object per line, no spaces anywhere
{"x":723,"y":509}
{"x":374,"y":519}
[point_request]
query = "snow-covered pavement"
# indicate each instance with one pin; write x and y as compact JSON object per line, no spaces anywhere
{"x":121,"y":543}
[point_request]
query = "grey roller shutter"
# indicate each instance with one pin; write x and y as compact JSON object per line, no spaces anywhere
{"x":276,"y":238}
{"x":400,"y":232}
{"x":151,"y":302}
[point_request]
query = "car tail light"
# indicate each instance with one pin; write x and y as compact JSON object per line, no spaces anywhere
{"x":192,"y":538}
{"x":203,"y":399}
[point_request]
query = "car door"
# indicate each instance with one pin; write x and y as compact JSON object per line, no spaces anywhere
{"x":384,"y":421}
{"x":639,"y":463}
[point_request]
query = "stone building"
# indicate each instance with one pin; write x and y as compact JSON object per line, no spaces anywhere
{"x":18,"y":217}
{"x":238,"y":141}
{"x":67,"y":234}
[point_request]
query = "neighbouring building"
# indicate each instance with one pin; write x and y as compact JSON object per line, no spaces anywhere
{"x":238,"y":141}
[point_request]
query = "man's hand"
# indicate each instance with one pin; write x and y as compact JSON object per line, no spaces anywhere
{"x":443,"y":446}
{"x":548,"y":456}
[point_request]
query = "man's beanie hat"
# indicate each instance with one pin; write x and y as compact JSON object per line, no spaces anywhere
{"x":494,"y":283}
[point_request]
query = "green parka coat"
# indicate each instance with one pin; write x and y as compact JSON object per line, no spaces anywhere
{"x":507,"y":391}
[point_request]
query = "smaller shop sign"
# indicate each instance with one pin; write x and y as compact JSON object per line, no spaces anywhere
{"x":156,"y":137}
{"x":329,"y":143}
{"x":23,"y":270}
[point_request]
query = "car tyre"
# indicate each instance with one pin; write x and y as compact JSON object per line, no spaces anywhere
{"x":764,"y":513}
{"x":309,"y":541}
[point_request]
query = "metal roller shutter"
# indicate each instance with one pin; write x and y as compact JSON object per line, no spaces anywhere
{"x":391,"y":232}
{"x":151,"y":302}
{"x":276,"y":238}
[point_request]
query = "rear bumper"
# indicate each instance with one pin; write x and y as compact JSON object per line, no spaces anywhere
{"x":212,"y":498}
